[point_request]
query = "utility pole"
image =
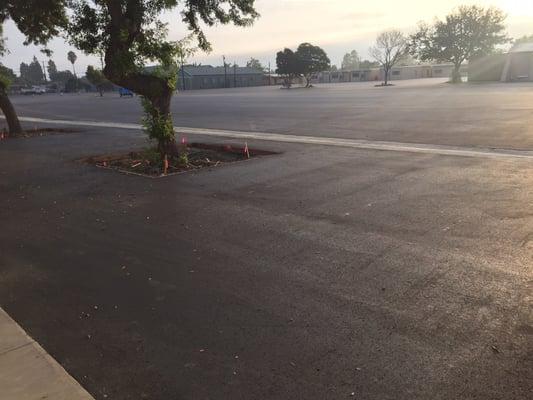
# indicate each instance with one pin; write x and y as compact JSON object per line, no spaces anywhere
{"x":234,"y":74}
{"x":269,"y":76}
{"x":182,"y":72}
{"x":225,"y":72}
{"x":44,"y":72}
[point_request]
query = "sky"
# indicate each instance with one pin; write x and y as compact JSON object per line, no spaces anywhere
{"x":338,"y":26}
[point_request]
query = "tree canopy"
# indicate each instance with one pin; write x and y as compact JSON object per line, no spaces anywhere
{"x":255,"y":63}
{"x":287,"y":65}
{"x":351,"y":61}
{"x":311,"y":59}
{"x":390,"y":48}
{"x":305,"y":61}
{"x":468,"y":32}
{"x":129,"y":33}
{"x":97,"y":78}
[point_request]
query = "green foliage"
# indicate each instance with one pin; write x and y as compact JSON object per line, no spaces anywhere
{"x":157,"y":125}
{"x":32,"y":73}
{"x":367,"y":64}
{"x":351,"y":61}
{"x":38,"y":20}
{"x":97,"y":78}
{"x":311,"y":59}
{"x":52,"y":70}
{"x":307,"y":60}
{"x":255,"y":64}
{"x":287,"y":65}
{"x":468,"y":32}
{"x":72,"y":85}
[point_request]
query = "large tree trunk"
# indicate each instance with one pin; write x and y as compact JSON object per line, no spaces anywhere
{"x":156,"y":90}
{"x":456,"y":74}
{"x":11,"y":116}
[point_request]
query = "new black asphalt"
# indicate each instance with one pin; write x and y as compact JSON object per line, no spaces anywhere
{"x":318,"y":273}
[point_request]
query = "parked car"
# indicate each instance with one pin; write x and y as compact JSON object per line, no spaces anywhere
{"x":33,"y":90}
{"x":125,"y":92}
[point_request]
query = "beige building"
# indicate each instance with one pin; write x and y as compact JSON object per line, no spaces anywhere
{"x":514,"y":66}
{"x":518,"y":64}
{"x":378,"y":74}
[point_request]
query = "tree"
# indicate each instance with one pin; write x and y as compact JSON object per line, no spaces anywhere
{"x":287,"y":66}
{"x":523,"y":39}
{"x":72,"y":57}
{"x":97,"y":78}
{"x":255,"y":64}
{"x":311,"y":59}
{"x":390,"y":47}
{"x":35,"y":74}
{"x":38,"y":21}
{"x":52,"y":70}
{"x":468,"y":32}
{"x":131,"y":32}
{"x":351,"y":61}
{"x":367,"y":64}
{"x":24,"y":72}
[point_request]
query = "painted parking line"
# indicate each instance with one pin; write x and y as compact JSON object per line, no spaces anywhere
{"x":316,"y":140}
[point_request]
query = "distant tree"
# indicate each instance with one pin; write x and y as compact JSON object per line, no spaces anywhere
{"x":288,"y":66}
{"x":98,"y":79}
{"x":52,"y":70}
{"x":311,"y":59}
{"x":72,"y":85}
{"x":523,"y":39}
{"x":333,"y":68}
{"x":255,"y":64}
{"x":72,"y":57}
{"x":351,"y":61}
{"x":367,"y":64}
{"x":391,"y":47}
{"x":35,"y":72}
{"x":468,"y":32}
{"x":38,"y":21}
{"x":24,"y":68}
{"x":63,"y":76}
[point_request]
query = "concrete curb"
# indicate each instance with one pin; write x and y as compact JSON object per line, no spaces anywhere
{"x":444,"y":150}
{"x":28,"y":372}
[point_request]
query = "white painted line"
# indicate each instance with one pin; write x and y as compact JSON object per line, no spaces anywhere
{"x":316,"y":140}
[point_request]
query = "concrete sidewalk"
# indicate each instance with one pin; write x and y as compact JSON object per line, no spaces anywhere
{"x":28,"y":372}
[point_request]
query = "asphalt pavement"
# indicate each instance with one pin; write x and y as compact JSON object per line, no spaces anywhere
{"x":317,"y":273}
{"x":418,"y":111}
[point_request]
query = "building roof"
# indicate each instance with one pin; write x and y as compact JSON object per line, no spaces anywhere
{"x":522,"y":48}
{"x":208,"y":70}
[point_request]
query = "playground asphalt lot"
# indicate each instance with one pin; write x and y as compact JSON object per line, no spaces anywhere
{"x":318,"y":273}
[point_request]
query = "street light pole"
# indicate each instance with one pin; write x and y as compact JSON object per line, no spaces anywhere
{"x":225,"y":72}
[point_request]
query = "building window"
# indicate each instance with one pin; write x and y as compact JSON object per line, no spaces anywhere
{"x":438,"y":71}
{"x":395,"y":72}
{"x":355,"y":74}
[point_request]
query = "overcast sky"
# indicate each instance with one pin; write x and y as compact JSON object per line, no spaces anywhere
{"x":336,"y":25}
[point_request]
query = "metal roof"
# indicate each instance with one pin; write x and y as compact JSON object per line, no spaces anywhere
{"x":208,"y":70}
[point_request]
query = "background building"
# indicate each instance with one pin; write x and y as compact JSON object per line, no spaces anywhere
{"x":514,"y":66}
{"x":209,"y":77}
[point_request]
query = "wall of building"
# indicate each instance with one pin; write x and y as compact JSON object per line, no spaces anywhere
{"x":488,"y":68}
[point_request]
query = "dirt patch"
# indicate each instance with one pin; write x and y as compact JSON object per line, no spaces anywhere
{"x":4,"y":135}
{"x":194,"y":156}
